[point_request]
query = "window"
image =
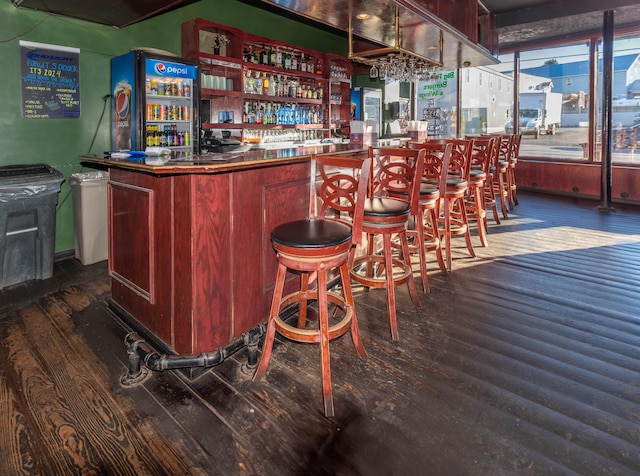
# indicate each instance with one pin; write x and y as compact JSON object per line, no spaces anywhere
{"x":484,"y":110}
{"x":560,"y":76}
{"x":436,"y":100}
{"x":553,"y":102}
{"x":625,"y":117}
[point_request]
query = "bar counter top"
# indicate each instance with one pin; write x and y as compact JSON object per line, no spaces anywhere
{"x":223,"y":162}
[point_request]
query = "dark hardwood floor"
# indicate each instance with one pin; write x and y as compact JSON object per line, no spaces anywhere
{"x":524,"y":360}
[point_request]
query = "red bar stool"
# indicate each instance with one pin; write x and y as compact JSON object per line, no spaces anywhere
{"x":500,"y":167}
{"x":386,"y":217}
{"x":511,"y":170}
{"x":433,"y":181}
{"x":481,"y":150}
{"x":313,"y":247}
{"x":453,"y":219}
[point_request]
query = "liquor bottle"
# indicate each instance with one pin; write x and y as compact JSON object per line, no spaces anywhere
{"x":264,"y":56}
{"x":272,"y":57}
{"x":271,"y":88}
{"x":287,"y":61}
{"x":302,"y":65}
{"x":277,"y":85}
{"x":278,"y":57}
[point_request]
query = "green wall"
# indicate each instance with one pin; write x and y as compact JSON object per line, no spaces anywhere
{"x":59,"y":142}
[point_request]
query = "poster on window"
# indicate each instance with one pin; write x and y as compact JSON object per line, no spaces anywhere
{"x":436,"y":102}
{"x":50,"y":81}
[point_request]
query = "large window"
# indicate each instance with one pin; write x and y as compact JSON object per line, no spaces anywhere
{"x":486,"y":101}
{"x":625,"y":123}
{"x":554,"y":99}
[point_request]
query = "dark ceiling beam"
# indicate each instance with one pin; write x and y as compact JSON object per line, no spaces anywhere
{"x":557,"y":9}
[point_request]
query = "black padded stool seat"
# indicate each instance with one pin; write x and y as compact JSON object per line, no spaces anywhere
{"x":311,"y":234}
{"x":386,"y":208}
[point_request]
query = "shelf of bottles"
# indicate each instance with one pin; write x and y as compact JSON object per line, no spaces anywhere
{"x":265,"y":85}
{"x":281,"y":58}
{"x":283,"y":86}
{"x":168,"y":113}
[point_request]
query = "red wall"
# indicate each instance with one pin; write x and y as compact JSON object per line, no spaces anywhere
{"x":578,"y":179}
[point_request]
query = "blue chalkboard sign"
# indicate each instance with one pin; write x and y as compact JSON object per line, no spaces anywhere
{"x":50,"y":81}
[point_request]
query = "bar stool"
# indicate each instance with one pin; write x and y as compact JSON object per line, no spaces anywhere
{"x":433,"y":180}
{"x":499,"y":171}
{"x":481,"y":150}
{"x":511,"y":170}
{"x":453,"y":219}
{"x":313,"y":247}
{"x":386,"y":217}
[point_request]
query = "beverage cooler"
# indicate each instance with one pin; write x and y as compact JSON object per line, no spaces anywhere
{"x":155,"y":103}
{"x":366,"y":105}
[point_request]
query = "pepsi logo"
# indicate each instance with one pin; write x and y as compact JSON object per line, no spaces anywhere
{"x":122,"y":104}
{"x":161,"y":68}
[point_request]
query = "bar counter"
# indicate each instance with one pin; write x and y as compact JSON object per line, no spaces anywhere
{"x":190,"y":257}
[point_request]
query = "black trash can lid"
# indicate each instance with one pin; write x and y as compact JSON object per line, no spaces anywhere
{"x":20,"y":173}
{"x":21,"y":181}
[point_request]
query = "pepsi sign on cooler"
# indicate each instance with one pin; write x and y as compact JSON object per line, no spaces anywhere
{"x":155,"y":103}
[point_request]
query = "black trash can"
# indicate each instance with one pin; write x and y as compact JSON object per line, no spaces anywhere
{"x":28,"y":198}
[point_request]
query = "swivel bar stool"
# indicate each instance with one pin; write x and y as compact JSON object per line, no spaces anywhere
{"x":453,"y":219}
{"x":481,"y":150}
{"x":511,"y":170}
{"x":499,"y":171}
{"x":386,"y":217}
{"x":433,"y":183}
{"x":313,"y":247}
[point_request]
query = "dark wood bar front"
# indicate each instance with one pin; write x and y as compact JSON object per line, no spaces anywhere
{"x":190,"y":256}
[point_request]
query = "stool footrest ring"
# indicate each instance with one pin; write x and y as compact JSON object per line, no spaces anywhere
{"x":313,"y":335}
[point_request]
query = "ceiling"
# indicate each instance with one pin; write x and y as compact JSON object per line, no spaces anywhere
{"x":519,"y":22}
{"x":116,"y":13}
{"x":523,"y":22}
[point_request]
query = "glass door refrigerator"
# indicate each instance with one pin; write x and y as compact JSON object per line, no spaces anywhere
{"x":155,"y":103}
{"x":366,"y":105}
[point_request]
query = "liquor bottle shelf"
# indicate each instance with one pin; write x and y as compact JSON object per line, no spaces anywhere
{"x":221,"y":92}
{"x":282,"y":71}
{"x":248,"y":125}
{"x":267,"y":98}
{"x":265,"y":76}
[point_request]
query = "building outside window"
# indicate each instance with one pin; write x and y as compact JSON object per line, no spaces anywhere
{"x":558,"y":78}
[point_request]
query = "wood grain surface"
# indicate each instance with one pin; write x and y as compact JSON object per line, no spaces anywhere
{"x":523,"y":361}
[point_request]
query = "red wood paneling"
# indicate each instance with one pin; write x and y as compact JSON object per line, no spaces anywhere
{"x":213,"y":262}
{"x":140,"y":249}
{"x":191,"y":254}
{"x":263,"y":199}
{"x":577,"y":178}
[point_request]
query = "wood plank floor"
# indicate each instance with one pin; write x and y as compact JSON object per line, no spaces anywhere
{"x":524,"y":360}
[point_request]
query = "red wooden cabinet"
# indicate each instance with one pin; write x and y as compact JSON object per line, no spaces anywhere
{"x":190,"y":255}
